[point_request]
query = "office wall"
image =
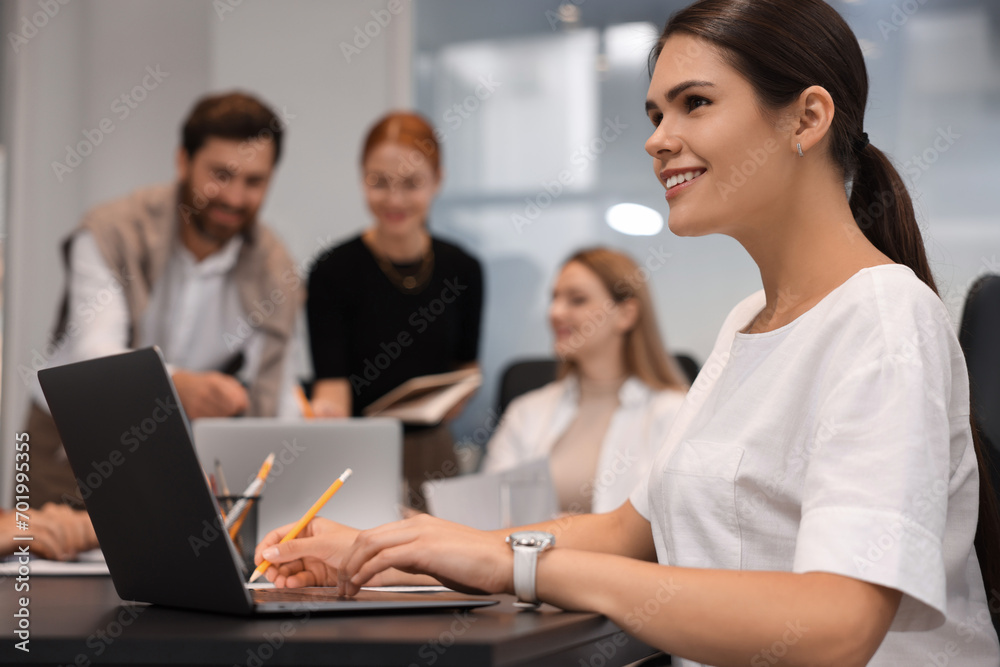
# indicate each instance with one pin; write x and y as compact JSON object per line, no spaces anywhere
{"x":68,"y":77}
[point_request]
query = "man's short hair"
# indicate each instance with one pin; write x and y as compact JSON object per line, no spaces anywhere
{"x":231,"y":116}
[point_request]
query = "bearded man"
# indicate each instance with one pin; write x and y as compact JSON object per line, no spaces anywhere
{"x":187,"y":267}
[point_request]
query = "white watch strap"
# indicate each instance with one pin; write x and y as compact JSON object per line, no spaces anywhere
{"x":525,"y":563}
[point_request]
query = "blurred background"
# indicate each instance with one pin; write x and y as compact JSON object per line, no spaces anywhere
{"x":521,"y":91}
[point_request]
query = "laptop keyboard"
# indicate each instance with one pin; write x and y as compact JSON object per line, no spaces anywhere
{"x":314,"y":594}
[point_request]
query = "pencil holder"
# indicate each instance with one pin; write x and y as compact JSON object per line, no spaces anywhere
{"x":241,"y":522}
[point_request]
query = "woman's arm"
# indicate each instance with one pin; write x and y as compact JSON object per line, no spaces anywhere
{"x":720,"y":617}
{"x":725,"y":617}
{"x":316,"y":556}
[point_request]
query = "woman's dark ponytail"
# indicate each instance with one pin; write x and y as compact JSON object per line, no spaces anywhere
{"x":884,"y":212}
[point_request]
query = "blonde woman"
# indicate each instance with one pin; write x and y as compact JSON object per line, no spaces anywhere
{"x":602,"y":422}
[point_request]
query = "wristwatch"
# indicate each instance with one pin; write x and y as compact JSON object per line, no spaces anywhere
{"x":527,"y":544}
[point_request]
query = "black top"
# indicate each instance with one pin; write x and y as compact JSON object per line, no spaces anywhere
{"x":364,"y":329}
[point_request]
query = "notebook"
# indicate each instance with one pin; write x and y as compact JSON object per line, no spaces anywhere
{"x":129,"y":443}
{"x":308,"y":456}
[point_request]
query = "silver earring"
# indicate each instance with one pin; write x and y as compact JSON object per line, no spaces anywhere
{"x":799,"y":146}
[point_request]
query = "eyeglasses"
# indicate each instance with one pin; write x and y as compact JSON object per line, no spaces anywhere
{"x":383,"y":184}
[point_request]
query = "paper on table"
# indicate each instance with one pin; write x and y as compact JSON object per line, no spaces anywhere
{"x":89,"y":563}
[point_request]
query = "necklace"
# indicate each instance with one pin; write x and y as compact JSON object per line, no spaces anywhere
{"x":407,"y":284}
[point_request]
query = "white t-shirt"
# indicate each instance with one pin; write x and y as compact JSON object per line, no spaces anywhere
{"x":838,"y":443}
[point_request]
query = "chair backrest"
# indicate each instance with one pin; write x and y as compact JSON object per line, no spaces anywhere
{"x":689,"y":366}
{"x":979,"y":335}
{"x":520,"y":377}
{"x":523,"y":376}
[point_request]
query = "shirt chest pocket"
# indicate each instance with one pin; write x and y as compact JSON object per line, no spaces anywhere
{"x":698,"y":498}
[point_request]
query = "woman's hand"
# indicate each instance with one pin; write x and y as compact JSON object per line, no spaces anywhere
{"x":460,"y":557}
{"x":311,"y":559}
{"x":331,"y":398}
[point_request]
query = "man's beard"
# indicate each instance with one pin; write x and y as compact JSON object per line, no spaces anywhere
{"x":198,"y":217}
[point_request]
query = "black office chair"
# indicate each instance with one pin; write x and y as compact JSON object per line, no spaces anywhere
{"x":520,"y":377}
{"x":979,"y":335}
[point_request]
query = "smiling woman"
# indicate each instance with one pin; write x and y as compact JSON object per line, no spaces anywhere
{"x":816,"y":498}
{"x":395,"y":303}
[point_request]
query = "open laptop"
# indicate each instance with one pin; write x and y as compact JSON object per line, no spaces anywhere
{"x":308,"y":456}
{"x":129,"y":444}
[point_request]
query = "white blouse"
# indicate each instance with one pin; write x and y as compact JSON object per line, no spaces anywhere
{"x":534,"y":422}
{"x":837,"y":443}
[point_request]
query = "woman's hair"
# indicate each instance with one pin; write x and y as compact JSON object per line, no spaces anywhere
{"x":782,"y":47}
{"x":409,"y":130}
{"x":645,"y":355}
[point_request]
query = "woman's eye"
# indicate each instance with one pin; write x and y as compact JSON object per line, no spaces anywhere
{"x":655,"y":118}
{"x":693,"y":102}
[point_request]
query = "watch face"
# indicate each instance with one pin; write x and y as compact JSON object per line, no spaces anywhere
{"x":531,"y":538}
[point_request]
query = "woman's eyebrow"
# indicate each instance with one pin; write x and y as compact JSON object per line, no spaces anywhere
{"x":681,"y":87}
{"x":677,"y":90}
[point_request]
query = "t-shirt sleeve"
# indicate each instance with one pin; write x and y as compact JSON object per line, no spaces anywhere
{"x":471,"y":314}
{"x":326,"y":311}
{"x":876,"y":485}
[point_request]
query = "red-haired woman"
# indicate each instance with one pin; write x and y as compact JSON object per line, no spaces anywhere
{"x":394,"y":303}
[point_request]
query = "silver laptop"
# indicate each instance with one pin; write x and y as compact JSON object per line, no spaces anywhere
{"x":493,"y":500}
{"x":309,"y":455}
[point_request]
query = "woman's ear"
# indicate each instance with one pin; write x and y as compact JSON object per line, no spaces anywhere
{"x":628,"y":314}
{"x":811,"y":117}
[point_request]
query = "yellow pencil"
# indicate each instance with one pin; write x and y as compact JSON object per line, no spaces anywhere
{"x":304,"y":405}
{"x":306,"y":518}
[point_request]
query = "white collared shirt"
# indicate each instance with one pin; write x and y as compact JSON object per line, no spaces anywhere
{"x":534,"y":422}
{"x":191,"y":309}
{"x":837,"y":443}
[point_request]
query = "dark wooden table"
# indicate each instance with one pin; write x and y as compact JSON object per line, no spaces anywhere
{"x":81,"y":621}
